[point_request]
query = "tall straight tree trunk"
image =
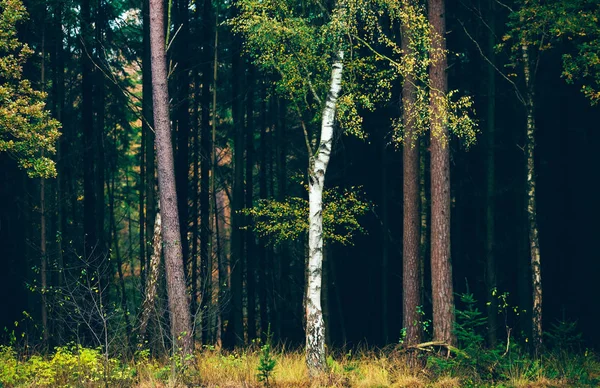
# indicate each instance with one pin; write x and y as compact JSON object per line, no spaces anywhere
{"x":490,"y":258}
{"x":195,"y":232}
{"x":205,"y":168}
{"x":87,"y":117}
{"x":441,"y":270}
{"x":181,"y":328}
{"x":147,"y":121}
{"x":250,"y":245}
{"x":43,"y":250}
{"x":534,"y":243}
{"x":98,"y":152}
{"x":115,"y":244}
{"x":183,"y":124}
{"x":235,"y":329}
{"x":58,"y":86}
{"x":222,"y":276}
{"x":411,"y":281}
{"x":262,"y":188}
{"x":315,"y":328}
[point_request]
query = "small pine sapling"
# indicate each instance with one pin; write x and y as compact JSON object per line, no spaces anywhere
{"x":267,"y":362}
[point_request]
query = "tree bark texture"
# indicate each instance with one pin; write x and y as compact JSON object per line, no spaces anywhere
{"x":441,"y":270}
{"x":181,"y":328}
{"x":152,"y":281}
{"x":411,"y":280}
{"x":315,"y":328}
{"x":533,"y":232}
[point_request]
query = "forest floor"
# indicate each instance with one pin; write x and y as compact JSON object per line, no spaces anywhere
{"x":262,"y":367}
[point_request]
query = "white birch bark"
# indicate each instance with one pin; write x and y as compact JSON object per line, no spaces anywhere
{"x":315,"y":328}
{"x":534,"y":242}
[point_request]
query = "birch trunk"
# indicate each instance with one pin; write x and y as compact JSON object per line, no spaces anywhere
{"x":315,"y":328}
{"x":534,"y":244}
{"x":181,"y":328}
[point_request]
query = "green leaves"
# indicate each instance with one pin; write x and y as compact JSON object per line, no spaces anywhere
{"x":27,"y":131}
{"x":576,"y":24}
{"x":286,"y":220}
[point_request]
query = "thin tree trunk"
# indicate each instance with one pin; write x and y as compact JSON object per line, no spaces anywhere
{"x":411,"y":281}
{"x":534,"y":244}
{"x":183,"y":125}
{"x":181,"y":328}
{"x":250,"y":245}
{"x":206,"y":163}
{"x":115,"y":244}
{"x":152,"y":281}
{"x":87,"y":117}
{"x":262,"y":187}
{"x":315,"y":328}
{"x":147,"y":120}
{"x":235,"y":329}
{"x":215,"y":210}
{"x":98,"y":152}
{"x":492,"y":312}
{"x":441,"y":269}
{"x":43,"y":253}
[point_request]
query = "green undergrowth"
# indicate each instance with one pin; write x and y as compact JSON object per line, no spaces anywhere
{"x":259,"y":367}
{"x":471,"y":363}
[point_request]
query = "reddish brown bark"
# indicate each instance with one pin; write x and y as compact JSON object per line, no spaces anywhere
{"x":441,"y":270}
{"x":411,"y":281}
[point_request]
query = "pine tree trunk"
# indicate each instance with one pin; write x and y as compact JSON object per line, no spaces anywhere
{"x":262,"y":187}
{"x":441,"y":270}
{"x":250,"y":244}
{"x":235,"y":329}
{"x":181,"y":328}
{"x":43,"y":250}
{"x":87,"y":117}
{"x":411,"y":281}
{"x":115,"y":244}
{"x":98,"y":151}
{"x":147,"y":122}
{"x":205,"y":168}
{"x":534,"y":244}
{"x":490,"y":273}
{"x":183,"y":124}
{"x":315,"y":328}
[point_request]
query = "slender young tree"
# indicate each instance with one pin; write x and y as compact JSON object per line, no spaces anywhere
{"x":181,"y":328}
{"x":441,"y":270}
{"x":490,"y":271}
{"x":205,"y":168}
{"x":318,"y":162}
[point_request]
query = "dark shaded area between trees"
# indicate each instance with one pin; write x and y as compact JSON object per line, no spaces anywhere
{"x":103,"y":202}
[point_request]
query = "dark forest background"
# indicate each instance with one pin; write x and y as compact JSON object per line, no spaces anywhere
{"x":567,"y":172}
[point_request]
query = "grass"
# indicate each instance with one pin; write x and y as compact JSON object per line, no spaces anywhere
{"x":68,"y":367}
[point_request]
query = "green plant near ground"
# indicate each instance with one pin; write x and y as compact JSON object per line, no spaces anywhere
{"x":68,"y":366}
{"x":266,"y":362}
